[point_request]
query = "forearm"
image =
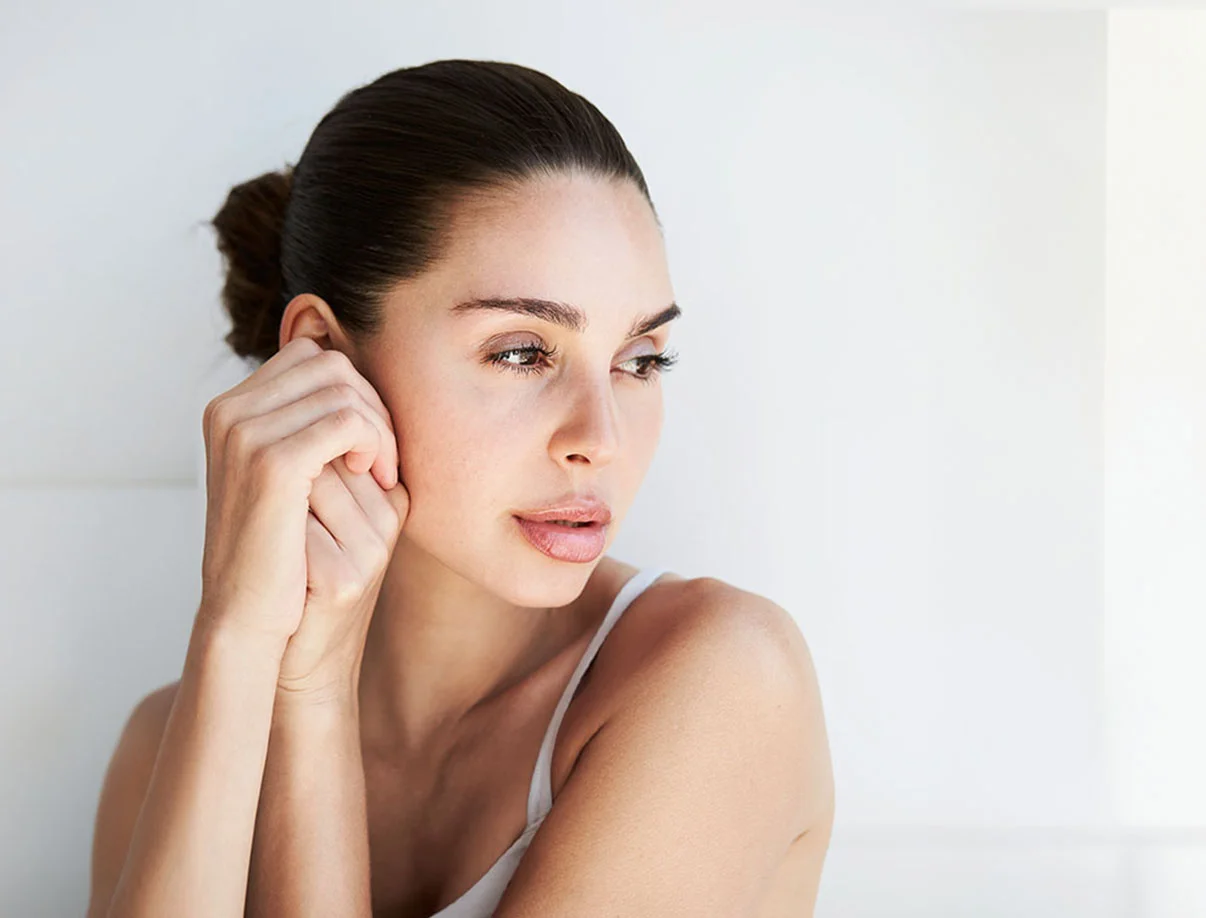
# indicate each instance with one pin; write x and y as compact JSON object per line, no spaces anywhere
{"x":311,"y":852}
{"x":190,"y":848}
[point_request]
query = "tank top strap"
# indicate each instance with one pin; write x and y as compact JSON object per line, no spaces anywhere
{"x":540,"y":793}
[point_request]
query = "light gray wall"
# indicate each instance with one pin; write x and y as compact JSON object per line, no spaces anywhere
{"x":888,"y":238}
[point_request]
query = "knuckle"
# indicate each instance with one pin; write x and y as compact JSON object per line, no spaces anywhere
{"x":216,"y":416}
{"x":267,"y":463}
{"x":238,"y":437}
{"x":343,"y":416}
{"x":388,"y":519}
{"x":338,"y":360}
{"x":346,"y":394}
{"x":347,"y":588}
{"x":379,"y":554}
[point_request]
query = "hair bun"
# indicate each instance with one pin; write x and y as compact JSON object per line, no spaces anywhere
{"x":248,"y":227}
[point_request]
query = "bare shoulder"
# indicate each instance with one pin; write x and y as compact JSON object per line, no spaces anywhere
{"x":125,"y":785}
{"x":714,"y":613}
{"x":144,"y":727}
{"x":152,"y":710}
{"x":681,"y":627}
{"x":683,"y":634}
{"x":711,"y":761}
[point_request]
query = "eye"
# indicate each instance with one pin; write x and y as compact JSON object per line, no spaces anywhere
{"x":543,"y":354}
{"x":649,"y":365}
{"x":653,"y":364}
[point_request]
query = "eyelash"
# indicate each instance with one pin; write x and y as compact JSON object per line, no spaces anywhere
{"x":654,"y":363}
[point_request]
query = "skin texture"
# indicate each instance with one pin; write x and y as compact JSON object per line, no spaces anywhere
{"x":691,"y":774}
{"x":466,"y":599}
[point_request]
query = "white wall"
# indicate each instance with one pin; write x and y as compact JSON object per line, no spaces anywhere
{"x":1155,"y":449}
{"x":889,"y":238}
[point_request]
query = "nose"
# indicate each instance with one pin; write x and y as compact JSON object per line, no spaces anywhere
{"x":590,"y":432}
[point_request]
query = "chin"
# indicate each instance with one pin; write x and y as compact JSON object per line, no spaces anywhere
{"x":539,"y":582}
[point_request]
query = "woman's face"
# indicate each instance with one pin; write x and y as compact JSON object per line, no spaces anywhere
{"x":479,"y":440}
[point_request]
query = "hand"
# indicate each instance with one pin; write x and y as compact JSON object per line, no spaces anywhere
{"x":293,"y":525}
{"x":351,"y":530}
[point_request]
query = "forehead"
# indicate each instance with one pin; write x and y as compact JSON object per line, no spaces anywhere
{"x":580,"y":239}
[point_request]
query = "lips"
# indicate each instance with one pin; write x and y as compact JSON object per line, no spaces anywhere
{"x":581,"y":509}
{"x":578,"y":544}
{"x":545,"y":527}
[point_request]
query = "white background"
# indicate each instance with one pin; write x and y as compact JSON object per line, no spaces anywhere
{"x":940,"y":396}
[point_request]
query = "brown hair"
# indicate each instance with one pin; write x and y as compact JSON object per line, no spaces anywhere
{"x":367,"y":203}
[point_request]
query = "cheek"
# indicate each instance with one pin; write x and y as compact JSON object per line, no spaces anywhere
{"x":457,"y":457}
{"x":645,"y":431}
{"x":468,"y":444}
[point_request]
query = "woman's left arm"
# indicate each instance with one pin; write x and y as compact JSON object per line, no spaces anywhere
{"x":311,"y":851}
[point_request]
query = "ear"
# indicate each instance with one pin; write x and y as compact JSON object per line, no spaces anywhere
{"x":309,"y":315}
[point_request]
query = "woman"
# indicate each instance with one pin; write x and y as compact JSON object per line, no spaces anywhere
{"x":409,"y":692}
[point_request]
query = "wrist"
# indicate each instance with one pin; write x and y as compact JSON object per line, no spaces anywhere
{"x":327,"y":715}
{"x":222,"y":633}
{"x":331,"y":681}
{"x":337,"y":696}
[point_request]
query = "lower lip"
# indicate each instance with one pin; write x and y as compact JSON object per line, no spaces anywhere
{"x":565,"y":543}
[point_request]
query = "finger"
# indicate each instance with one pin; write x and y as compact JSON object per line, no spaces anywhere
{"x":329,"y":369}
{"x":345,"y":370}
{"x":384,"y":462}
{"x":378,"y":452}
{"x":341,"y":515}
{"x":301,"y":367}
{"x":295,"y":461}
{"x":246,"y":399}
{"x":322,"y":551}
{"x":297,"y":351}
{"x":332,"y":367}
{"x":376,"y":504}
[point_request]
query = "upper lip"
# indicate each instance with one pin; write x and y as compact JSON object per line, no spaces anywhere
{"x":577,"y":509}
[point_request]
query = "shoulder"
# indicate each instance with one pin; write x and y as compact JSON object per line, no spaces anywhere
{"x":716,"y":616}
{"x":711,"y":762}
{"x":137,"y":746}
{"x":122,"y":792}
{"x":689,"y":627}
{"x":144,"y":726}
{"x":153,"y":708}
{"x":707,"y":652}
{"x":138,"y":743}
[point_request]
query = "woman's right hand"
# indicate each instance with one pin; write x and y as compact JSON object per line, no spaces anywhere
{"x":266,"y":442}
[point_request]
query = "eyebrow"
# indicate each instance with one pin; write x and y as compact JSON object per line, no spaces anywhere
{"x":563,"y":314}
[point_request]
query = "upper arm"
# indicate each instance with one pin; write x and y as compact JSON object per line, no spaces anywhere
{"x":687,"y":798}
{"x":122,"y":793}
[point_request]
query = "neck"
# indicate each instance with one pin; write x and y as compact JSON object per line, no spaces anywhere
{"x":440,"y":646}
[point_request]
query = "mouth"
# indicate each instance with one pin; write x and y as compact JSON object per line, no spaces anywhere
{"x":576,"y":541}
{"x":591,"y":511}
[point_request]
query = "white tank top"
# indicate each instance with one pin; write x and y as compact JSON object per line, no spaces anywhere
{"x":482,"y":898}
